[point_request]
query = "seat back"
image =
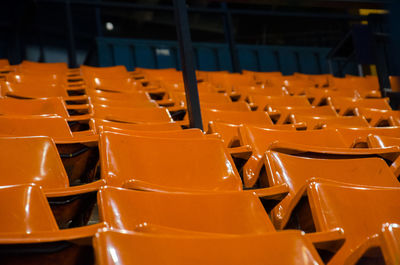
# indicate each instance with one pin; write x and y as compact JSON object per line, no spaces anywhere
{"x":194,"y":163}
{"x":221,"y":213}
{"x":56,"y":106}
{"x":132,"y":115}
{"x":25,"y":160}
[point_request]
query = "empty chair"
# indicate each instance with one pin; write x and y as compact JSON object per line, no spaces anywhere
{"x":345,"y":106}
{"x":357,"y":137}
{"x":56,"y":106}
{"x":132,"y":115}
{"x":360,"y":211}
{"x":233,"y":106}
{"x":235,"y":117}
{"x":182,"y":164}
{"x":160,"y":126}
{"x":376,"y":141}
{"x":296,"y":170}
{"x":78,"y":150}
{"x":318,"y":142}
{"x":379,"y":118}
{"x":235,"y":213}
{"x":320,"y":122}
{"x":265,"y":103}
{"x":282,"y":115}
{"x":114,"y":248}
{"x":28,"y":218}
{"x":121,"y":103}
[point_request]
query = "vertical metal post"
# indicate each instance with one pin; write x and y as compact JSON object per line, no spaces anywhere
{"x":230,"y":38}
{"x":72,"y":63}
{"x":98,"y":21}
{"x":188,"y":70}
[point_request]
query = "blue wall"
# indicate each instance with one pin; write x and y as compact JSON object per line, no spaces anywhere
{"x":214,"y":56}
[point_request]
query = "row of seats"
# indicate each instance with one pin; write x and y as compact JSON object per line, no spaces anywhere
{"x":99,"y":166}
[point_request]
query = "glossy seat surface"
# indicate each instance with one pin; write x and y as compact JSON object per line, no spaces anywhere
{"x":114,"y":248}
{"x":220,"y":213}
{"x":159,"y":126}
{"x":133,"y":115}
{"x":320,"y":122}
{"x":56,"y":106}
{"x":359,"y":210}
{"x":296,"y":170}
{"x":182,"y":164}
{"x":268,"y":102}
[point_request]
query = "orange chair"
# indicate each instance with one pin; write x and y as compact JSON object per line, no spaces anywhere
{"x":345,"y":106}
{"x":360,"y":211}
{"x":376,"y":141}
{"x":379,"y":118}
{"x":357,"y":137}
{"x":132,"y":115}
{"x":191,"y":164}
{"x":321,"y":122}
{"x":29,"y":220}
{"x":282,"y":115}
{"x":235,"y":117}
{"x":235,"y":213}
{"x":395,"y":83}
{"x":233,"y":106}
{"x":268,"y":103}
{"x":286,"y":248}
{"x":78,"y":150}
{"x":318,"y":142}
{"x":296,"y":170}
{"x":161,"y":126}
{"x":127,"y":103}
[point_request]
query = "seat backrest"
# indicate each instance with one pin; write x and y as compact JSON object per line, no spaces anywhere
{"x":194,"y":163}
{"x":265,"y":102}
{"x":133,"y":115}
{"x":359,"y":210}
{"x":260,"y":139}
{"x":25,"y":160}
{"x":344,"y":103}
{"x":222,"y":213}
{"x":284,"y":248}
{"x":378,"y":141}
{"x":161,"y":126}
{"x":234,"y":106}
{"x":236,"y":117}
{"x":319,"y":122}
{"x":52,"y":126}
{"x":56,"y":106}
{"x":350,"y":135}
{"x":25,"y":210}
{"x":31,"y":90}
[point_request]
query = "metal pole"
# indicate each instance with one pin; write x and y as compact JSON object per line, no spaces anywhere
{"x":71,"y":42}
{"x":188,"y":70}
{"x":230,"y":38}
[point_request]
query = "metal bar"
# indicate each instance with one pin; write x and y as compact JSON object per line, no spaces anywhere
{"x":72,"y":63}
{"x":188,"y":72}
{"x":230,"y":38}
{"x":214,"y":10}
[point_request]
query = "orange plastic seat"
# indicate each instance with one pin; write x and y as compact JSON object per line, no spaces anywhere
{"x":268,"y":103}
{"x":296,"y":170}
{"x":360,"y":211}
{"x":233,"y":106}
{"x":235,"y":213}
{"x":285,"y":248}
{"x":118,"y":71}
{"x":235,"y":117}
{"x":161,"y":126}
{"x":282,"y":115}
{"x":128,"y":103}
{"x":357,"y":137}
{"x":395,"y":83}
{"x":132,"y":115}
{"x":345,"y":106}
{"x":194,"y":163}
{"x":122,"y":96}
{"x":230,"y":132}
{"x":320,"y":122}
{"x":380,"y":118}
{"x":317,"y":142}
{"x":376,"y":141}
{"x":56,"y":106}
{"x":28,"y":218}
{"x":78,"y":150}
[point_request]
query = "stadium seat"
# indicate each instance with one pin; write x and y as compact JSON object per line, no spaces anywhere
{"x":296,"y":170}
{"x":132,"y":115}
{"x":234,"y":213}
{"x":321,"y":122}
{"x":345,"y":106}
{"x":317,"y":142}
{"x":284,"y":248}
{"x":379,"y":118}
{"x":390,"y":236}
{"x":360,"y":211}
{"x":159,"y":126}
